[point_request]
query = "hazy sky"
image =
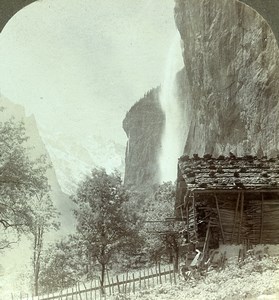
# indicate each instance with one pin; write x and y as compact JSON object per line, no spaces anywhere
{"x":79,"y":65}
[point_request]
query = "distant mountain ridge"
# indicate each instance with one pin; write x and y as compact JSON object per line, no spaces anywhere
{"x":73,"y":159}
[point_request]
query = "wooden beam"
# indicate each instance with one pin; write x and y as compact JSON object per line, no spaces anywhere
{"x":261,"y":233}
{"x":235,"y":215}
{"x":206,"y":243}
{"x":219,"y":217}
{"x":231,"y":191}
{"x":195,"y":218}
{"x":241,"y":216}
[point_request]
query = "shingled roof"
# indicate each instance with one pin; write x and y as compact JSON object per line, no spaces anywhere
{"x":229,"y":173}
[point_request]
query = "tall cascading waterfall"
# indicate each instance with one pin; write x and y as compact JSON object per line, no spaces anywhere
{"x":172,"y":142}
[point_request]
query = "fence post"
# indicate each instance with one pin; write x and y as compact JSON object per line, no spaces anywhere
{"x":112,"y":282}
{"x":118,"y":284}
{"x":174,"y":276}
{"x":140,"y":280}
{"x":95,"y":284}
{"x":160,"y":277}
{"x":100,"y":289}
{"x":85,"y":292}
{"x":165,"y":275}
{"x":108,"y":282}
{"x":152,"y":276}
{"x":134,"y":283}
{"x":91,"y":292}
{"x":126,"y":282}
{"x":170,"y":274}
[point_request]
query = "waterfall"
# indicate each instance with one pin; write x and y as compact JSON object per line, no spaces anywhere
{"x":172,"y":142}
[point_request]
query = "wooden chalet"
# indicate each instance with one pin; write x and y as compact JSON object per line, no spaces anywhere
{"x":228,"y":200}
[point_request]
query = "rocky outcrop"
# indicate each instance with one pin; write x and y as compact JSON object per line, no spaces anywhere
{"x":269,"y":10}
{"x":231,"y":93}
{"x":143,"y":125}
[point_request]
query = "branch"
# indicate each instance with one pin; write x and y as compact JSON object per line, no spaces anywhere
{"x":6,"y":224}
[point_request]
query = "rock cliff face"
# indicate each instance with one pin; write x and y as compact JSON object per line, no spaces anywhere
{"x":231,"y":94}
{"x":143,"y":125}
{"x":228,"y":89}
{"x":269,"y":10}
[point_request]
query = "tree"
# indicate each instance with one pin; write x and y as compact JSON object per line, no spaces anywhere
{"x":103,"y":221}
{"x":162,"y":236}
{"x":44,"y":219}
{"x":21,"y":178}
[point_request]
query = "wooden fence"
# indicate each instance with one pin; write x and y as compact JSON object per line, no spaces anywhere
{"x":114,"y":285}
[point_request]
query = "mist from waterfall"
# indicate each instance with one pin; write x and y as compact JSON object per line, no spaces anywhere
{"x":172,"y":142}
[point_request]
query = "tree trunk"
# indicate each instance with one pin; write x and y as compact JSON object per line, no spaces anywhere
{"x":170,"y":255}
{"x":103,"y":273}
{"x":37,"y":249}
{"x":36,"y":282}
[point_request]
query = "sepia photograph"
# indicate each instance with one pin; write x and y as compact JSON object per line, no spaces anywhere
{"x":139,"y":149}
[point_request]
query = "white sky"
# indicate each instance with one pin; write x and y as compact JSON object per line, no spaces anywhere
{"x":79,"y":65}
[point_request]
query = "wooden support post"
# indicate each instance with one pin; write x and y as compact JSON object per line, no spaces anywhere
{"x":219,"y":217}
{"x":241,"y":216}
{"x":206,"y":243}
{"x":195,"y":218}
{"x":262,"y":213}
{"x":235,"y":216}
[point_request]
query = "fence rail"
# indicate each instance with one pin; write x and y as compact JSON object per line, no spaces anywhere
{"x":120,"y":284}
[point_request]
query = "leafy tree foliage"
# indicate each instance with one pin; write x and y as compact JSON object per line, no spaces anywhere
{"x":21,"y":178}
{"x":64,"y":263}
{"x":103,"y":219}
